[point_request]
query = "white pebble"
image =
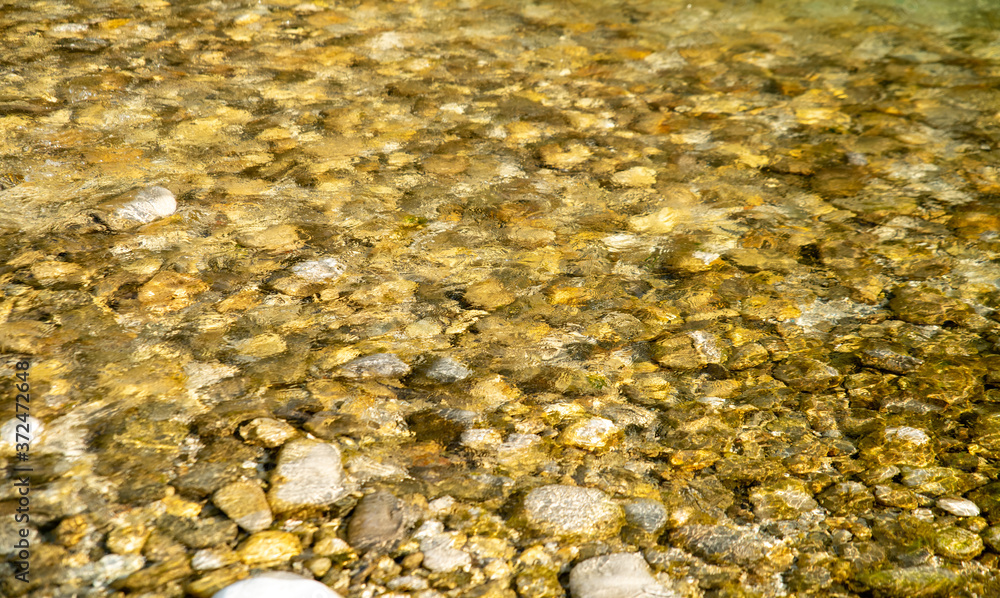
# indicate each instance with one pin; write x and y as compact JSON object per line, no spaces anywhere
{"x":621,"y":575}
{"x":320,"y":270}
{"x":907,"y":434}
{"x":959,"y":507}
{"x":151,"y":203}
{"x":274,"y":584}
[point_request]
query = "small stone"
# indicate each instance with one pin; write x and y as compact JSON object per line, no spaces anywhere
{"x":169,"y":291}
{"x":269,"y":548}
{"x":784,"y":499}
{"x":139,"y":207}
{"x":29,"y":431}
{"x":741,"y":546}
{"x":267,"y":432}
{"x":280,"y":237}
{"x":911,"y":582}
{"x":440,"y":549}
{"x":273,"y":584}
{"x":646,"y":514}
{"x":244,"y":502}
{"x":321,"y":270}
{"x":488,"y":294}
{"x":209,"y":559}
{"x":379,"y":521}
{"x":747,"y":356}
{"x":620,"y":575}
{"x":957,"y":543}
{"x":571,"y":511}
{"x":592,"y":434}
{"x":446,"y":370}
{"x":807,"y":375}
{"x":481,"y":439}
{"x":638,"y":176}
{"x":309,"y":474}
{"x":379,"y":365}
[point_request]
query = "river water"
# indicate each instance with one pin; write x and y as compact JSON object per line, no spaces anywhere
{"x":425,"y":298}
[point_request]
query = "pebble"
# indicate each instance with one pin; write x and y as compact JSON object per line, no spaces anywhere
{"x":309,"y":474}
{"x":646,"y":514}
{"x":379,"y":521}
{"x":592,"y":434}
{"x":446,"y":370}
{"x":267,"y":432}
{"x":141,"y":206}
{"x":572,"y":511}
{"x":244,"y":502}
{"x":273,"y":584}
{"x":959,"y":507}
{"x":321,"y":270}
{"x":269,"y":548}
{"x":379,"y":365}
{"x":620,"y":575}
{"x":725,"y":545}
{"x":439,"y":548}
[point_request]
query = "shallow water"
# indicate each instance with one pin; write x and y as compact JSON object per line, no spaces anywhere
{"x":730,"y":265}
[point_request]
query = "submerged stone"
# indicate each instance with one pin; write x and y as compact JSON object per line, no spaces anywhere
{"x":621,"y":575}
{"x":309,"y":474}
{"x":572,"y":511}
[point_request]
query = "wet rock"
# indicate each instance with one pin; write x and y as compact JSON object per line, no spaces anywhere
{"x":308,"y":474}
{"x":208,"y":559}
{"x":441,"y":550}
{"x":783,"y":499}
{"x":572,"y":511}
{"x":846,"y":498}
{"x":724,"y":545}
{"x":281,"y":237}
{"x":807,"y":375}
{"x":276,"y":583}
{"x":197,"y":533}
{"x":884,"y":357}
{"x":645,"y":514}
{"x":957,"y":543}
{"x":137,"y":207}
{"x":693,"y":350}
{"x":488,"y":294}
{"x":592,"y":434}
{"x":378,"y":522}
{"x":379,"y":365}
{"x":268,"y":432}
{"x":245,"y":503}
{"x":747,"y":356}
{"x":620,"y":575}
{"x":959,"y":507}
{"x":928,"y":307}
{"x":319,"y":270}
{"x":170,"y":291}
{"x":447,"y":371}
{"x":269,"y":548}
{"x":911,"y":582}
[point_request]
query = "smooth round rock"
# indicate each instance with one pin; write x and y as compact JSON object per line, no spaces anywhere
{"x":378,"y":365}
{"x":309,"y":474}
{"x":275,"y":584}
{"x":572,"y":511}
{"x":621,"y":575}
{"x":959,"y":507}
{"x":591,"y":434}
{"x":141,"y":206}
{"x":378,"y":522}
{"x":320,"y":270}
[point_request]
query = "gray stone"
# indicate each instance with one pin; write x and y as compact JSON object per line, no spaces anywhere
{"x":379,"y":365}
{"x":276,"y":583}
{"x":572,"y":511}
{"x":621,"y":575}
{"x":309,"y":474}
